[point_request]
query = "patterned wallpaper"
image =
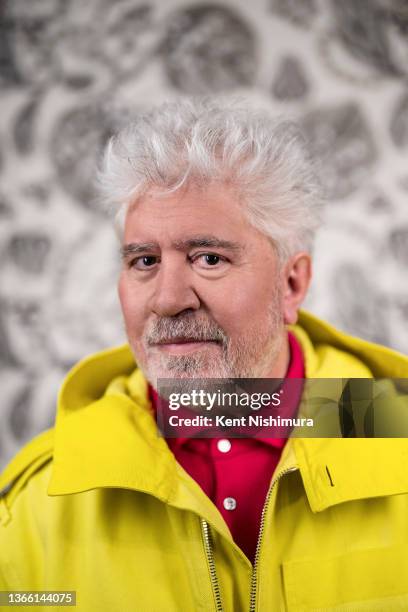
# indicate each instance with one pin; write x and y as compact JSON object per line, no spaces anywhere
{"x":71,"y":72}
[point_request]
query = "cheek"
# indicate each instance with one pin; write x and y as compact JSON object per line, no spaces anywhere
{"x":123,"y":294}
{"x":235,"y":307}
{"x":245,"y":305}
{"x":130,"y":304}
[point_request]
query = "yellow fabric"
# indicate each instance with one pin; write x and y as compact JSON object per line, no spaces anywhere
{"x":100,"y":505}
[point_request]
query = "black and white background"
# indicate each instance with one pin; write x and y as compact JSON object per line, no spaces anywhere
{"x":71,"y":72}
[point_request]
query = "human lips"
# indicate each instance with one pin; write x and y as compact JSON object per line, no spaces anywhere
{"x":183,"y":345}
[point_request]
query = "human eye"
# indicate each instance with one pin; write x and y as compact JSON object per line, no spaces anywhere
{"x":144,"y":262}
{"x":209,"y":260}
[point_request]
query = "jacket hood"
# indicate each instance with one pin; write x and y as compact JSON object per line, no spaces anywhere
{"x":106,"y":435}
{"x":317,"y":335}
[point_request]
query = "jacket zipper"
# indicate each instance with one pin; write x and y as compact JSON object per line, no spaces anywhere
{"x":211,"y":564}
{"x":252,"y":600}
{"x":210,"y":557}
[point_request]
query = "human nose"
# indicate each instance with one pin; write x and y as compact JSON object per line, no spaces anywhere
{"x":174,"y":291}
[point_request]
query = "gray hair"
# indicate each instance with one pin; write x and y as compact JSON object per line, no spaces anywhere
{"x":265,"y":159}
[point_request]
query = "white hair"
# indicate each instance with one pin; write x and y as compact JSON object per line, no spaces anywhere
{"x":264,"y":159}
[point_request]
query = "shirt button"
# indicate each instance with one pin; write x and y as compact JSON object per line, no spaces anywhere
{"x":224,"y":446}
{"x":230,"y":503}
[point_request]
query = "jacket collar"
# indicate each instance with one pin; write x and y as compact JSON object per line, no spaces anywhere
{"x":338,"y":470}
{"x":335,"y":470}
{"x":103,"y":436}
{"x":114,"y":443}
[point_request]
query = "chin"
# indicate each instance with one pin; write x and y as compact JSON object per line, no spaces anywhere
{"x":196,"y":365}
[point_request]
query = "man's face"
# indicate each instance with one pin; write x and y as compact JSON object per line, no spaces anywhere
{"x":200,"y":288}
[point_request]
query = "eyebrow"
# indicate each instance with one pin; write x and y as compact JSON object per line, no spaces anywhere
{"x":137,"y":248}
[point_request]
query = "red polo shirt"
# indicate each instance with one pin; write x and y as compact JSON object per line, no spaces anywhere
{"x":235,"y":473}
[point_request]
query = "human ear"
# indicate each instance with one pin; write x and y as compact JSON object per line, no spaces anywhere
{"x":297,"y":274}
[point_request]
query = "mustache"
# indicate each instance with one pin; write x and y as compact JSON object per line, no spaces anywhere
{"x":186,"y":327}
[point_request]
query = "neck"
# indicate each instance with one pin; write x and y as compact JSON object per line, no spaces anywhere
{"x":281,"y":361}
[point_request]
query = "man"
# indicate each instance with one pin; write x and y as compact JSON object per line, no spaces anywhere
{"x":218,"y":206}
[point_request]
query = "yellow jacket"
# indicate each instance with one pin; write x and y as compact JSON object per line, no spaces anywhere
{"x":100,"y":506}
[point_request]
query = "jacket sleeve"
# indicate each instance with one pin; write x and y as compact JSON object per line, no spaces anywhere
{"x":23,"y":486}
{"x":8,"y":577}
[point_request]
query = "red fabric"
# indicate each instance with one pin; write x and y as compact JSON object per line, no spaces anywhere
{"x":243,"y":473}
